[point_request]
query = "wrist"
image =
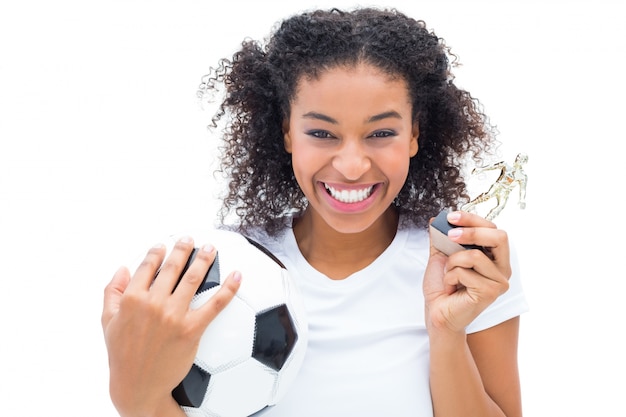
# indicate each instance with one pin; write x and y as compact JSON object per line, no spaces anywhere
{"x":438,"y":325}
{"x":447,"y":338}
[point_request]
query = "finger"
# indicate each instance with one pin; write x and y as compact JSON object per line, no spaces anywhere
{"x":477,"y":261}
{"x":464,"y":218}
{"x":481,"y":236}
{"x":476,"y":230}
{"x":195,"y":274}
{"x":495,"y":240}
{"x":209,"y":310}
{"x":147,"y":269}
{"x":172,"y":268}
{"x":433,"y":275}
{"x":478,"y":287}
{"x":113,"y":294}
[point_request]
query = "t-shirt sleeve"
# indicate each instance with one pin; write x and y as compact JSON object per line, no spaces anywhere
{"x":510,"y":304}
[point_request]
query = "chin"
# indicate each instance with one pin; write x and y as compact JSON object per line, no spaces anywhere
{"x":350,"y":224}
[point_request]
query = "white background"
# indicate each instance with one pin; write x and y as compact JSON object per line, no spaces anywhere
{"x":104,"y":150}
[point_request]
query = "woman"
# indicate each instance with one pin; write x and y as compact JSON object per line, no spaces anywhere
{"x":345,"y":136}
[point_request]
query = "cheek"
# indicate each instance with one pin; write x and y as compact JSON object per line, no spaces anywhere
{"x":398,"y":165}
{"x":303,"y":164}
{"x":398,"y":177}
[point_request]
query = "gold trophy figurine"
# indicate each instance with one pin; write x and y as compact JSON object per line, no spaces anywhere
{"x":510,"y":177}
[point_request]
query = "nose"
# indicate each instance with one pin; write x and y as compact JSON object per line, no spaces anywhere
{"x":352,"y":160}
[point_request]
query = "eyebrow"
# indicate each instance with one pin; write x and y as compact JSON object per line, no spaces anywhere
{"x":375,"y":118}
{"x":319,"y":116}
{"x":385,"y":115}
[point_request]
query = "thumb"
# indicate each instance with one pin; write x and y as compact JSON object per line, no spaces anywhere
{"x":433,"y":276}
{"x":113,"y":294}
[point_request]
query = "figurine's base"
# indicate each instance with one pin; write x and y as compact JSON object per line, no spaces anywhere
{"x":439,"y":235}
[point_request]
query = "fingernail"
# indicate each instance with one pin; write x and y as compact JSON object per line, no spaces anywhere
{"x":208,"y":248}
{"x":454,"y":216}
{"x":185,"y":239}
{"x":455,"y":233}
{"x":237,"y":276}
{"x":158,"y":246}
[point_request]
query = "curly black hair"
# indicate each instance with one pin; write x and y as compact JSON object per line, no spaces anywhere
{"x":260,"y":83}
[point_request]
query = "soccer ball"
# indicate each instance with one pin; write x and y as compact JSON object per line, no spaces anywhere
{"x":252,"y":351}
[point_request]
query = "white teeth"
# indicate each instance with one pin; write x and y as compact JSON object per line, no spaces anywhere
{"x":349,"y":196}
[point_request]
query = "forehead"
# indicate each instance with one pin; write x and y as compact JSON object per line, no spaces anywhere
{"x":346,"y":84}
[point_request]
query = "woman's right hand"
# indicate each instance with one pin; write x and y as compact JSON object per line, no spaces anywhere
{"x":151,"y":333}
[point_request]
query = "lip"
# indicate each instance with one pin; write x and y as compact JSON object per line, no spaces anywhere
{"x":350,"y":207}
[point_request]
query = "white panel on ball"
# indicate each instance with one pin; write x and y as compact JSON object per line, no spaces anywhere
{"x":233,"y":329}
{"x":239,"y":390}
{"x":260,"y":293}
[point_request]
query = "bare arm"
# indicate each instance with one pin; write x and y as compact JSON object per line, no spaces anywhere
{"x":495,"y":353}
{"x":476,"y":375}
{"x":471,"y":375}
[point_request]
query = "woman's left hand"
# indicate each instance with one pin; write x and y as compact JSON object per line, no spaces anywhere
{"x":457,"y":288}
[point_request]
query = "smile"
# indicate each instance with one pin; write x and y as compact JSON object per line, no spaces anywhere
{"x":349,"y":196}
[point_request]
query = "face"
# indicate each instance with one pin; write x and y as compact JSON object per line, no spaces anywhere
{"x":351,"y":136}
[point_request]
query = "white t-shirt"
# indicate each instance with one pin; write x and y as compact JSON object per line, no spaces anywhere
{"x":368,"y":352}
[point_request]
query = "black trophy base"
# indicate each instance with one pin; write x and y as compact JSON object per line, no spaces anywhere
{"x":439,"y":236}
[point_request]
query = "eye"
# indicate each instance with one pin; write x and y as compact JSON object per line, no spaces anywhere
{"x":383,"y":134}
{"x":320,"y":134}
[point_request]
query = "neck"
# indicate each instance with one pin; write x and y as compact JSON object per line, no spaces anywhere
{"x":338,"y":255}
